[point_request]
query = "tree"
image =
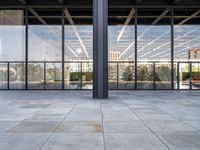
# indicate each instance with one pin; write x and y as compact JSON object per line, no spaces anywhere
{"x":128,"y":74}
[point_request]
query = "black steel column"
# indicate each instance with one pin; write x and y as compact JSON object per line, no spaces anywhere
{"x":100,"y":48}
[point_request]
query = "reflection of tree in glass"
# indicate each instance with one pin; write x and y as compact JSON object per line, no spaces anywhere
{"x":36,"y":72}
{"x":3,"y":75}
{"x":111,"y":72}
{"x":145,"y":73}
{"x":54,"y":74}
{"x":128,"y":74}
{"x":163,"y":73}
{"x":17,"y":72}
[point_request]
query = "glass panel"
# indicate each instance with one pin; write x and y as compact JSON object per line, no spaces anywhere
{"x":78,"y":43}
{"x":78,"y":48}
{"x":184,"y":75}
{"x":163,"y":76}
{"x":36,"y":75}
{"x":195,"y":76}
{"x":12,"y":35}
{"x":53,"y":76}
{"x":186,"y":35}
{"x":126,"y":76}
{"x":72,"y":75}
{"x":145,"y":76}
{"x":44,"y":43}
{"x":154,"y":46}
{"x":3,"y":76}
{"x":17,"y":76}
{"x":175,"y":76}
{"x":87,"y":75}
{"x":45,"y":48}
{"x":121,"y":48}
{"x":112,"y":75}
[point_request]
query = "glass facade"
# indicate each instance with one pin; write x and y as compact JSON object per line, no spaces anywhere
{"x":148,"y":48}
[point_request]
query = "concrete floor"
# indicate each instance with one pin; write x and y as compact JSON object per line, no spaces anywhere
{"x":71,"y":120}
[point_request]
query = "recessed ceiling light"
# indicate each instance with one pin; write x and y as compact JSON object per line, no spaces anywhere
{"x":79,"y":50}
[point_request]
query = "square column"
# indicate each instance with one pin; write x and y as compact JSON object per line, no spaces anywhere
{"x":100,"y":49}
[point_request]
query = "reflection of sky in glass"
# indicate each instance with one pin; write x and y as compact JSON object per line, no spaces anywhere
{"x":12,"y":39}
{"x":121,"y":40}
{"x":78,"y":42}
{"x":185,"y":38}
{"x":153,"y":41}
{"x":45,"y":42}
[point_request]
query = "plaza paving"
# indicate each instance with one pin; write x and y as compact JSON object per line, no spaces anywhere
{"x":72,"y":120}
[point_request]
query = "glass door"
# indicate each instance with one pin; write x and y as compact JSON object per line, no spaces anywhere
{"x":195,"y":75}
{"x":184,"y":75}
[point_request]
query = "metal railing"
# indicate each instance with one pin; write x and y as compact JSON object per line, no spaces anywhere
{"x":79,"y":75}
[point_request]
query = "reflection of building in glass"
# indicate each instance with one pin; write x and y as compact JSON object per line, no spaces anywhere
{"x":114,"y":55}
{"x":112,"y":69}
{"x":194,"y":54}
{"x":11,"y":17}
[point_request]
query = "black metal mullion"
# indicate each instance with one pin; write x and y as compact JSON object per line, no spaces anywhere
{"x":81,"y":75}
{"x":178,"y":76}
{"x":172,"y":48}
{"x":117,"y":75}
{"x":26,"y":52}
{"x":190,"y":69}
{"x":63,"y":50}
{"x":135,"y":48}
{"x":8,"y":75}
{"x":154,"y":74}
{"x":45,"y":75}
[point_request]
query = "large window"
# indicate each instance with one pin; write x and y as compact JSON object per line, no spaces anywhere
{"x":52,"y":48}
{"x":12,"y":48}
{"x":45,"y":49}
{"x":121,"y":56}
{"x":78,"y":52}
{"x":154,"y":48}
{"x":187,"y":48}
{"x":121,"y":49}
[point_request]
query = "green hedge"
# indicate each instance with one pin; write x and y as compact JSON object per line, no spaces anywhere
{"x":195,"y":75}
{"x":76,"y":76}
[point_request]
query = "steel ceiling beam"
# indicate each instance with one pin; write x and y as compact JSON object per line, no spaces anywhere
{"x":128,"y":20}
{"x":189,"y":17}
{"x":67,"y":14}
{"x":37,"y":16}
{"x":138,"y":1}
{"x":176,"y":1}
{"x":61,"y":1}
{"x":161,"y":16}
{"x":23,"y":2}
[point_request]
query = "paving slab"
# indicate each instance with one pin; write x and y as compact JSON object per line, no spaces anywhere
{"x":34,"y":127}
{"x":75,"y":141}
{"x":125,"y":127}
{"x":75,"y":116}
{"x":22,"y":141}
{"x":133,"y":141}
{"x":182,"y":141}
{"x":170,"y":126}
{"x":5,"y":125}
{"x":75,"y":126}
